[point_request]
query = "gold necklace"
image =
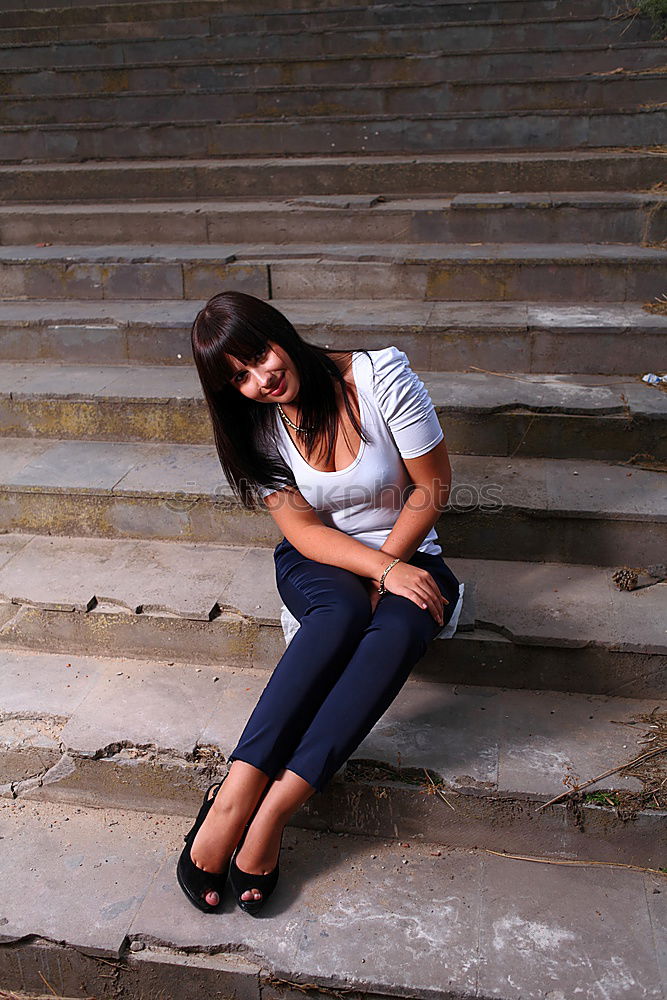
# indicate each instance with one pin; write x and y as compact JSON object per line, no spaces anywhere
{"x":287,"y":419}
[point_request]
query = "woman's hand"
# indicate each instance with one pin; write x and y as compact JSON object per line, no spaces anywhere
{"x":417,"y":585}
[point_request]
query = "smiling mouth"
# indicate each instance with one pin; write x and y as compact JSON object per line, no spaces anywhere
{"x":278,"y":390}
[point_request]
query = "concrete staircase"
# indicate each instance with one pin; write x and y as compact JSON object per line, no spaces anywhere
{"x":482,"y":185}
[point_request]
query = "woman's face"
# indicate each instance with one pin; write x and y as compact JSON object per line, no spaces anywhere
{"x":270,"y":377}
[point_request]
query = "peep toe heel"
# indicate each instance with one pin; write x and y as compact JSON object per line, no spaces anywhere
{"x":241,"y":882}
{"x":194,"y":881}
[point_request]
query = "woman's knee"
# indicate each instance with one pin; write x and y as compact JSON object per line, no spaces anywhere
{"x":345,"y":608}
{"x":406,"y":629}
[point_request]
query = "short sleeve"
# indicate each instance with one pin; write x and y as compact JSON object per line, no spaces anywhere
{"x":265,"y":491}
{"x":405,"y":404}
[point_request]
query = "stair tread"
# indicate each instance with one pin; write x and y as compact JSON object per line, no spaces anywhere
{"x":334,"y":57}
{"x":113,"y":881}
{"x":485,"y":739}
{"x":299,"y":204}
{"x":561,"y":604}
{"x":477,"y":392}
{"x":187,"y":23}
{"x":281,"y":162}
{"x":354,"y":88}
{"x":572,"y":487}
{"x":365,"y":120}
{"x":406,"y":253}
{"x":383,"y":313}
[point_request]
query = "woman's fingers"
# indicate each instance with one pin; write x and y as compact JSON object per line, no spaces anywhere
{"x":433,"y":598}
{"x":427,"y":599}
{"x":419,"y":586}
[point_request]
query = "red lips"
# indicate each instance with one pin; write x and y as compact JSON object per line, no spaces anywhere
{"x":279,"y":388}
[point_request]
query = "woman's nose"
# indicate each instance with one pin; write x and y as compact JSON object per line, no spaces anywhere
{"x":263,"y":377}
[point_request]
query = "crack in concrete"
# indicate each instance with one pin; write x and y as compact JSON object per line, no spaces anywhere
{"x":226,"y":948}
{"x":63,"y":768}
{"x":33,"y":717}
{"x":534,"y":640}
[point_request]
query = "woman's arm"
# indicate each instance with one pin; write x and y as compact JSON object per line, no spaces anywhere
{"x":432,"y":475}
{"x":301,"y":526}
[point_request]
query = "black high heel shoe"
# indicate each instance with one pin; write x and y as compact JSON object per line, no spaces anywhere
{"x":241,"y":881}
{"x":194,"y":881}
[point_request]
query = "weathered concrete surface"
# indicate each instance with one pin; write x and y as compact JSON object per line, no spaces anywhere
{"x":555,"y":416}
{"x":428,"y":173}
{"x":508,"y":337}
{"x":382,"y":29}
{"x":383,"y":917}
{"x":234,"y":103}
{"x":144,"y":735}
{"x":76,"y":876}
{"x":450,"y":391}
{"x":136,"y":576}
{"x":541,"y":625}
{"x":562,"y":272}
{"x":567,"y":510}
{"x":381,"y":134}
{"x":291,"y":15}
{"x":630,"y":218}
{"x":425,"y":68}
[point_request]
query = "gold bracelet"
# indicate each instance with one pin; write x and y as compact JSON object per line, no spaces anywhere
{"x":382,"y":589}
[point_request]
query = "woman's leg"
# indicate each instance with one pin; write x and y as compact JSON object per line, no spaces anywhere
{"x":333,"y":607}
{"x":222,"y":829}
{"x":393,"y":642}
{"x":259,"y":853}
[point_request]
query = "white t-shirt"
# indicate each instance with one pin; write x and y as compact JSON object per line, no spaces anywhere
{"x":396,"y":413}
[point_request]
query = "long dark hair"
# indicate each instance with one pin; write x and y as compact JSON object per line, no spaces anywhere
{"x":240,"y":325}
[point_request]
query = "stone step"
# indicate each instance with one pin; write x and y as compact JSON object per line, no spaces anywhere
{"x":111,"y":907}
{"x":145,"y":735}
{"x":354,"y":134}
{"x":423,"y":174}
{"x":519,"y":7}
{"x":540,"y":626}
{"x":615,"y":217}
{"x":554,"y":416}
{"x":385,"y":32}
{"x":501,"y":507}
{"x":345,"y":43}
{"x":58,"y":6}
{"x":434,"y":272}
{"x":609,"y":338}
{"x":281,"y":17}
{"x":211,"y":72}
{"x":236,"y":104}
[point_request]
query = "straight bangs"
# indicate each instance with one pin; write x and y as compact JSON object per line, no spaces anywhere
{"x":235,"y":337}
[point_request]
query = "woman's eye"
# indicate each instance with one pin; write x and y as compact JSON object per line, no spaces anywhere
{"x":258,"y":357}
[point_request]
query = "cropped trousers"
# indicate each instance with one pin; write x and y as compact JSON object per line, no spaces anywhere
{"x":342,"y":669}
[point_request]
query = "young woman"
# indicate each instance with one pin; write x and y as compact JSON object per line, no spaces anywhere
{"x":345,"y":450}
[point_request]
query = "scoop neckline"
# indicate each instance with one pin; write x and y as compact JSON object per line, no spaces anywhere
{"x":362,"y":443}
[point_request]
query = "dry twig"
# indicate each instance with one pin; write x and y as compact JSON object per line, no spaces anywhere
{"x":544,"y":381}
{"x":47,"y":983}
{"x":576,"y":863}
{"x":613,"y":770}
{"x":439,"y":790}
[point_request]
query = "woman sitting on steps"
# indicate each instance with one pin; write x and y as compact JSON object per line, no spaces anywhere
{"x":345,"y":450}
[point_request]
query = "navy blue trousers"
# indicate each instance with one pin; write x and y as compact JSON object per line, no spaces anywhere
{"x":342,"y":669}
